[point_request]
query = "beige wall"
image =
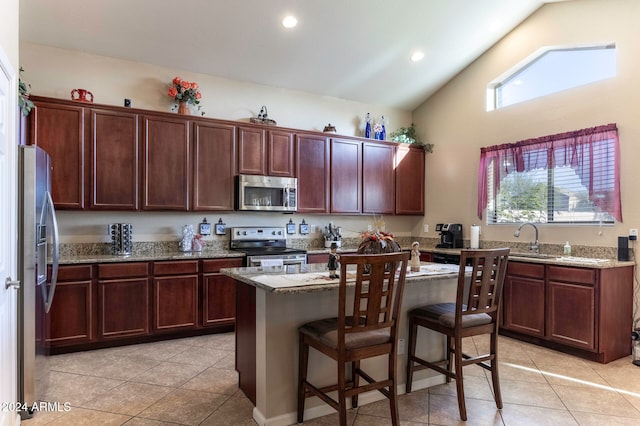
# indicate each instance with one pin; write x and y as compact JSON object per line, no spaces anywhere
{"x":9,"y":31}
{"x":55,"y":72}
{"x":456,"y":121}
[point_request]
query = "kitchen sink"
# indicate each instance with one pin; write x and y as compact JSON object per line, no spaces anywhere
{"x":533,"y":255}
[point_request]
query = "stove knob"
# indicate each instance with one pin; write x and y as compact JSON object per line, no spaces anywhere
{"x":244,"y":232}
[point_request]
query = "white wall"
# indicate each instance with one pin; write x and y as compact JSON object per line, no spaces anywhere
{"x":456,"y":120}
{"x":55,"y":72}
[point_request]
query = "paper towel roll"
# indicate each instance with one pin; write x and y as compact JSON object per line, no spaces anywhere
{"x":474,"y":237}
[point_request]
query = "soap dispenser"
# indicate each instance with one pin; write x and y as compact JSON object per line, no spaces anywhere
{"x":567,"y":249}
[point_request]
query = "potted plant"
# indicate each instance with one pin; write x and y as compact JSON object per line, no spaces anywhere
{"x":24,"y":102}
{"x":408,"y":135}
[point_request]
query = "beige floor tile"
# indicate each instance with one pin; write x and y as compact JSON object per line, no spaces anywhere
{"x":598,"y":401}
{"x":227,"y":363}
{"x":543,"y":357}
{"x":237,"y":411}
{"x":474,"y":387}
{"x":412,"y":407}
{"x":160,"y":351}
{"x":523,"y":370}
{"x":443,"y":410}
{"x":225,"y":341}
{"x":529,"y":393}
{"x":200,"y":356}
{"x":128,"y":398}
{"x":107,"y":365}
{"x":184,"y":406}
{"x":214,"y":380}
{"x":332,"y":419}
{"x":169,"y":374}
{"x":83,"y":417}
{"x":623,"y":379}
{"x":364,"y":420}
{"x":579,"y":377}
{"x":525,"y":415}
{"x":77,"y":389}
{"x":139,"y":421}
{"x":43,"y":417}
{"x":591,"y":419}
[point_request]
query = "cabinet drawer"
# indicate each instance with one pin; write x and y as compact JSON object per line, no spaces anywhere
{"x":215,"y":265}
{"x":123,"y":270}
{"x":73,"y":273}
{"x":573,"y":275}
{"x":524,"y":269}
{"x":178,"y":267}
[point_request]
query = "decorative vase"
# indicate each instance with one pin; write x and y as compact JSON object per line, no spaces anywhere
{"x":183,"y":108}
{"x":367,"y":128}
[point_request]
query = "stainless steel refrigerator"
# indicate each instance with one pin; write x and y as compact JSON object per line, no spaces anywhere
{"x":37,"y":243}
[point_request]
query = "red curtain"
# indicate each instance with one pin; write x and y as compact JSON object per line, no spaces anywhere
{"x":594,"y":154}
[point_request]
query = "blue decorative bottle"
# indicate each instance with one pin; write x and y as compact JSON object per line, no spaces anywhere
{"x":367,"y":127}
{"x":383,"y":132}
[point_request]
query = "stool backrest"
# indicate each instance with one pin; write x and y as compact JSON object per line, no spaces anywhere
{"x":489,"y":267}
{"x":378,"y":293}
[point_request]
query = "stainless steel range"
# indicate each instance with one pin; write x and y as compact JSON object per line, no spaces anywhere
{"x":265,"y":246}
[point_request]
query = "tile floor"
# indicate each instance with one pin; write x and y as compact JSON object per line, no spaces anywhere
{"x":192,"y":381}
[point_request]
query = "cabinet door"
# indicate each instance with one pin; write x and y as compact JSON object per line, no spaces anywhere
{"x":312,"y":163}
{"x":346,"y":176}
{"x":124,"y":307}
{"x":280,"y":151}
{"x":410,"y":180}
{"x":318,"y":258}
{"x":114,"y":160}
{"x":252,"y":151}
{"x":426,"y":257}
{"x":219,"y":300}
{"x":71,"y":317}
{"x":571,"y":314}
{"x":175,"y":302}
{"x":165,"y":164}
{"x":60,"y":130}
{"x":378,"y":178}
{"x":214,"y":158}
{"x":523,"y":301}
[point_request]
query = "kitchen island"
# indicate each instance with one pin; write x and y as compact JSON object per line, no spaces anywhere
{"x":272,"y":302}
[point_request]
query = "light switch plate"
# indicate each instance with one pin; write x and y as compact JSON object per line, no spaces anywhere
{"x":425,"y":228}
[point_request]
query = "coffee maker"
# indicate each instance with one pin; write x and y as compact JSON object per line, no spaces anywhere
{"x":450,"y":235}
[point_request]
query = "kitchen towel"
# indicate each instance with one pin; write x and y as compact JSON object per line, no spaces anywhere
{"x":474,"y":233}
{"x":271,"y":262}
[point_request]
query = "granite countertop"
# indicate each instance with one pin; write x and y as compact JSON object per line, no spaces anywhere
{"x":315,"y":277}
{"x":145,"y":257}
{"x":551,"y":259}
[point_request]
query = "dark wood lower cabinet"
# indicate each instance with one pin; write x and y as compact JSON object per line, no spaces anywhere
{"x":583,"y":311}
{"x":111,"y":304}
{"x":71,"y":319}
{"x":123,"y":294}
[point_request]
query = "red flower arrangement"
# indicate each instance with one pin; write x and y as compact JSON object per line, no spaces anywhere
{"x":185,"y":91}
{"x":378,"y":242}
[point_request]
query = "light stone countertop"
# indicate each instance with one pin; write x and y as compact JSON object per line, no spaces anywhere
{"x":145,"y":257}
{"x":315,"y":277}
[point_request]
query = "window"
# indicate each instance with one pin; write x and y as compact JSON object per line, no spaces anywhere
{"x":571,"y":177}
{"x":552,"y":70}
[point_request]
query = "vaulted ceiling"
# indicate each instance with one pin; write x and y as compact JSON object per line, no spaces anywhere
{"x":356,"y":49}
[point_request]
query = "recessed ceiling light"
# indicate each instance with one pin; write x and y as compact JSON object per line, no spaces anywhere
{"x":417,"y":56}
{"x":289,"y":21}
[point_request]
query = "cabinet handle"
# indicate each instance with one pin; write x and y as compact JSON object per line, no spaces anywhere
{"x":11,"y":283}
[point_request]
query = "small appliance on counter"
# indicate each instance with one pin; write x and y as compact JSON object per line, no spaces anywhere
{"x":121,"y":236}
{"x":450,"y":235}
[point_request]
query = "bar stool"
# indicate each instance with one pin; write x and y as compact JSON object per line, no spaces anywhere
{"x":366,"y":329}
{"x":479,"y":315}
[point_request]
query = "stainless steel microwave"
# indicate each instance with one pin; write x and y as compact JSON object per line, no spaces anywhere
{"x":267,"y":193}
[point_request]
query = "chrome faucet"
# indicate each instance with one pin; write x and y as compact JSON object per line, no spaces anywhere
{"x":535,"y":246}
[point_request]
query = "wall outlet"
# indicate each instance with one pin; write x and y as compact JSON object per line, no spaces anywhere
{"x":400,"y":346}
{"x":314,"y":229}
{"x":633,"y":234}
{"x":425,"y":228}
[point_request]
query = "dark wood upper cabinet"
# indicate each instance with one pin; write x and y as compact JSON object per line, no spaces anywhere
{"x":313,"y":171}
{"x":378,"y":178}
{"x":346,"y":176}
{"x":165,"y":164}
{"x":214,"y":159}
{"x":59,"y":129}
{"x":114,"y":160}
{"x":280,"y":151}
{"x":252,"y":151}
{"x":410,"y":183}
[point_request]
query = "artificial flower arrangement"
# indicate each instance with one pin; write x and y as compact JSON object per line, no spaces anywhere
{"x":185,"y":91}
{"x":378,"y":241}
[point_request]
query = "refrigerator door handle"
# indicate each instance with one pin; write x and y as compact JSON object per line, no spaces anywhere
{"x":56,"y":252}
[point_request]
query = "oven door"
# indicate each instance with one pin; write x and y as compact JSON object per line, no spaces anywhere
{"x":276,"y":260}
